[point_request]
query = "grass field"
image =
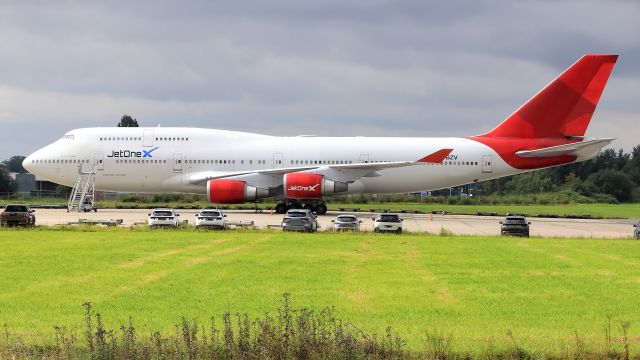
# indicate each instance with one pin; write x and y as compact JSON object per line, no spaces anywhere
{"x":476,"y":289}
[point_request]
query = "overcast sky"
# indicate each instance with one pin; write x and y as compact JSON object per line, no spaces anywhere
{"x":406,"y":68}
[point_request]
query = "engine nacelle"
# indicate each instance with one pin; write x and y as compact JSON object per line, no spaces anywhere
{"x":224,"y":191}
{"x":301,"y":185}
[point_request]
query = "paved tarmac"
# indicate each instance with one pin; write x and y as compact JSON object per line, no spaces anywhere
{"x":456,"y":224}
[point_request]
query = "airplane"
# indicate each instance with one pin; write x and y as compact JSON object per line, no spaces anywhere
{"x":301,"y":171}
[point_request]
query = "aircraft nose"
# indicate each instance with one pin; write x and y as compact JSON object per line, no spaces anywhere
{"x":27,"y":163}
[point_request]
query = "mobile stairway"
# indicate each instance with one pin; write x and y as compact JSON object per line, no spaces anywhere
{"x":82,"y":194}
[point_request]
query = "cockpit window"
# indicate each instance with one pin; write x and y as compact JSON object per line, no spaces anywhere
{"x":68,"y":136}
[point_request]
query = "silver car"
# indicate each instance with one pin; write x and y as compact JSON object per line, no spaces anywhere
{"x":299,"y":220}
{"x":346,"y":222}
{"x":636,"y":232}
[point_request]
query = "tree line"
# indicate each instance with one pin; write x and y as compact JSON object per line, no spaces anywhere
{"x":612,"y":176}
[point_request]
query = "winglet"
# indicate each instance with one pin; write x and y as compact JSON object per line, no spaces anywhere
{"x":437,"y":157}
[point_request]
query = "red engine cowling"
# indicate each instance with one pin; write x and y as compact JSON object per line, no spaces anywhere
{"x":223,"y":191}
{"x":301,"y":185}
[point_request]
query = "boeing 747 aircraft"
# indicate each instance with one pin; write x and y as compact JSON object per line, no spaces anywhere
{"x":237,"y":167}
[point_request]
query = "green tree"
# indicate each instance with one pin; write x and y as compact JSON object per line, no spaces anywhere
{"x":7,"y":184}
{"x":612,"y":182}
{"x":529,"y":183}
{"x":15,"y":164}
{"x":632,"y":167}
{"x":128,"y":121}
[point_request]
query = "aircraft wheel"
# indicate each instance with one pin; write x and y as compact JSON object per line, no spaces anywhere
{"x":321,"y":209}
{"x":281,"y":208}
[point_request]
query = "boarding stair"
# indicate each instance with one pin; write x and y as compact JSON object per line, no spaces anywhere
{"x":82,"y":194}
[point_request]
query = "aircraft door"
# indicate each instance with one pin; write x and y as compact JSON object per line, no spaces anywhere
{"x":364,"y":158}
{"x":487,"y":166}
{"x":277,"y":160}
{"x":98,"y":161}
{"x":177,"y":162}
{"x":148,"y":138}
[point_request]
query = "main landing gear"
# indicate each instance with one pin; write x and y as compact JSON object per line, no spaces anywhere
{"x":317,"y":206}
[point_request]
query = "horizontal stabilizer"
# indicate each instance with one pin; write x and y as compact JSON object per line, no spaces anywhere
{"x":584,"y":149}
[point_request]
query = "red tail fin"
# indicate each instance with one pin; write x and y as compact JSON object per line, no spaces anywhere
{"x":565,"y":106}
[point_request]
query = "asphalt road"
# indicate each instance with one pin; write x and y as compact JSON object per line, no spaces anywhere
{"x":456,"y":224}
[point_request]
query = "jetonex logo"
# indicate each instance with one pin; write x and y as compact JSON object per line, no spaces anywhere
{"x":132,"y":153}
{"x":303,"y":188}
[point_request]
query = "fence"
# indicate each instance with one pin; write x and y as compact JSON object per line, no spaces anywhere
{"x":34,"y":196}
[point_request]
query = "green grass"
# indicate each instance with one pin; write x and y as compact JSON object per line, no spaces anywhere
{"x":475,"y":289}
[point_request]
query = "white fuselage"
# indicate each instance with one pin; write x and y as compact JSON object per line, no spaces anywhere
{"x":161,"y":160}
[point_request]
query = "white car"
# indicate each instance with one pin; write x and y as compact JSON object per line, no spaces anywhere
{"x":163,"y":217}
{"x":210,"y":218}
{"x":387,"y":223}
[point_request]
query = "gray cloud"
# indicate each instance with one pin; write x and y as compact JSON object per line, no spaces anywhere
{"x":405,"y":68}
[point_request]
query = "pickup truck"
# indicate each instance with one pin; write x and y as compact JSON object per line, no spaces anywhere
{"x":20,"y":215}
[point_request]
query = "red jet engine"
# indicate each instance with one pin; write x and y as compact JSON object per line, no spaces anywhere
{"x":300,"y":185}
{"x":223,"y":191}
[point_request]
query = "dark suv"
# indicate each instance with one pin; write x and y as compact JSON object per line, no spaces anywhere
{"x":515,"y":225}
{"x":20,"y":215}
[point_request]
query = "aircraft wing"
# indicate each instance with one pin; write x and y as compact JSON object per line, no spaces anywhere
{"x":583,"y":149}
{"x":337,"y":172}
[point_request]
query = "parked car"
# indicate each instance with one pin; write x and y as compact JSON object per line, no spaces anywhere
{"x":210,"y":218}
{"x":636,"y":232}
{"x":387,"y":223}
{"x":300,"y":220}
{"x":346,"y":222}
{"x":515,"y":225}
{"x":17,"y":215}
{"x":163,"y":218}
